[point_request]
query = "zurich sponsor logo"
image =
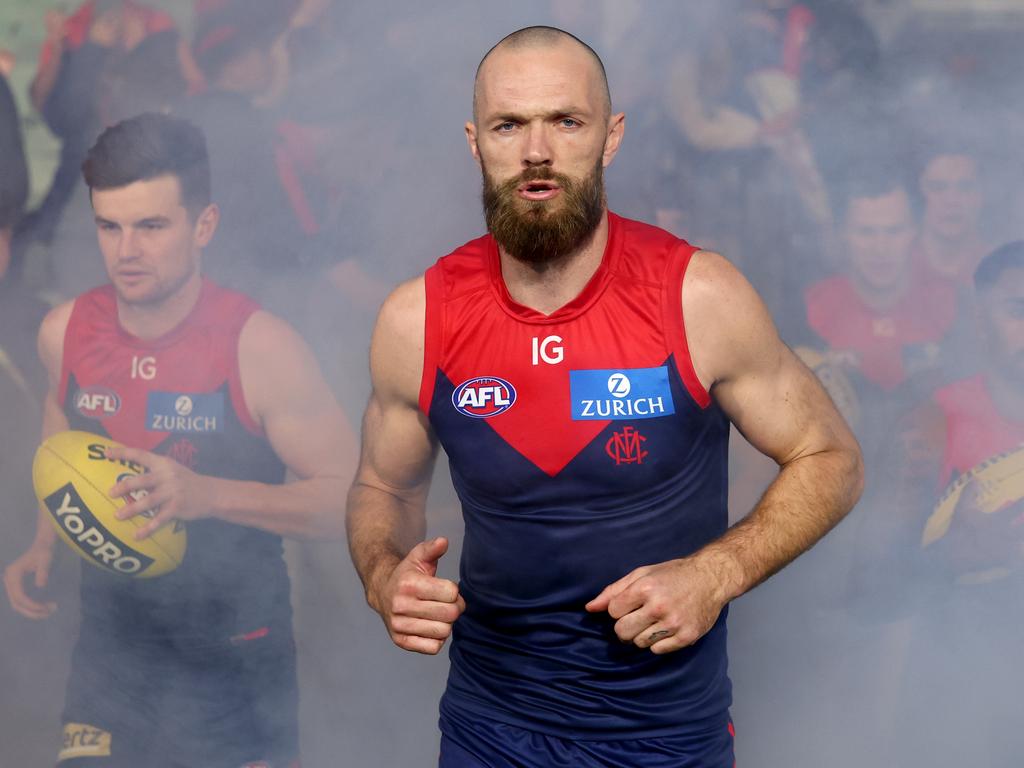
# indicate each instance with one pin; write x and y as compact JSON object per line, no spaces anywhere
{"x":483,"y":397}
{"x":176,"y":412}
{"x":97,"y":402}
{"x":633,"y":393}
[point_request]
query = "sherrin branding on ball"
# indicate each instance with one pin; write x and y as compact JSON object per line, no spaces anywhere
{"x":72,"y":476}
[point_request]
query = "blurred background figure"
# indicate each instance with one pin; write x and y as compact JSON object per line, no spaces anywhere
{"x":13,"y":173}
{"x":875,"y":317}
{"x":34,"y":676}
{"x":232,"y":46}
{"x":950,"y":243}
{"x":959,"y":552}
{"x":68,"y":87}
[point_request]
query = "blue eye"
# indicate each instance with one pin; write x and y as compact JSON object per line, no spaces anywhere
{"x":568,"y":122}
{"x":506,"y":126}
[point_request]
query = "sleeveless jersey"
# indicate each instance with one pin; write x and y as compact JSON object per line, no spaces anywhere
{"x":179,"y":395}
{"x":975,"y":430}
{"x":582,"y":445}
{"x":885,"y":344}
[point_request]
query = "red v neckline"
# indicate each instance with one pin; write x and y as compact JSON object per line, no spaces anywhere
{"x":574,"y":308}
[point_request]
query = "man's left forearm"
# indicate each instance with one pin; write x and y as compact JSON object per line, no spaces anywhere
{"x":810,"y":495}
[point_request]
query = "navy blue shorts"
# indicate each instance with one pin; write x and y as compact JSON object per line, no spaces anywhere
{"x":488,"y":744}
{"x":226,"y":705}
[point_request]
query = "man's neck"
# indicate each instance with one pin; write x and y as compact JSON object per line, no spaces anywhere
{"x":951,"y":258}
{"x":880,"y":299}
{"x":550,"y":286}
{"x":151,"y":321}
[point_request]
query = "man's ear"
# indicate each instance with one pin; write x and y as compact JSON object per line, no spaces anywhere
{"x":474,"y":149}
{"x":613,"y":140}
{"x":206,"y":225}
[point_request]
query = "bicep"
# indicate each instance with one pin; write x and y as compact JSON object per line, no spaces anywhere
{"x":774,"y":400}
{"x":779,"y":405}
{"x":398,"y":445}
{"x":50,"y":345}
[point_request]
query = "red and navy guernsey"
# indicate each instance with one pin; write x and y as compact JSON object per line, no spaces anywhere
{"x":179,"y":395}
{"x":582,"y":445}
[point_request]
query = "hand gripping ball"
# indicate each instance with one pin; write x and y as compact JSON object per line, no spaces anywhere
{"x":72,"y":476}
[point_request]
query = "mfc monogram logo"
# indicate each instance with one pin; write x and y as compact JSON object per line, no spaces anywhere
{"x":625,"y":447}
{"x":184,"y":452}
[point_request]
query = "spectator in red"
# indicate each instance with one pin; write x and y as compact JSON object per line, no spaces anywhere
{"x":67,"y":88}
{"x":876,"y":318}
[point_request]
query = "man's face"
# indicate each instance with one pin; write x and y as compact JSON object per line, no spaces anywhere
{"x":542,"y":139}
{"x":150,"y":243}
{"x":1001,"y":317}
{"x":878,"y":232}
{"x":952,"y":196}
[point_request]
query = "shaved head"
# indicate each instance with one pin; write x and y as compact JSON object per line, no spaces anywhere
{"x":543,"y":37}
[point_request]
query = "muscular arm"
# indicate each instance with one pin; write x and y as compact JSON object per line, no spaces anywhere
{"x":288,"y":397}
{"x":779,"y":406}
{"x":781,"y":409}
{"x":386,"y":517}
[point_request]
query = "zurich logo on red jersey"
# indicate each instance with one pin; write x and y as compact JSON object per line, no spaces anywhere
{"x":483,"y":397}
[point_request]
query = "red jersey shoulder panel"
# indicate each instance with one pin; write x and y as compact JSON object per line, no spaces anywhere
{"x":652,"y":256}
{"x":461,"y":273}
{"x":94,"y":312}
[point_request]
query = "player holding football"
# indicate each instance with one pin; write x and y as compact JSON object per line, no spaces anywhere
{"x":196,"y":667}
{"x":581,"y":372}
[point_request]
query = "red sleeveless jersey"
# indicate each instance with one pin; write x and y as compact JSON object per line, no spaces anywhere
{"x":582,"y":445}
{"x":881,"y":341}
{"x":179,"y":395}
{"x":975,"y":430}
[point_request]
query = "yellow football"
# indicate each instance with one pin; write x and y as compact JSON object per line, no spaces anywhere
{"x":72,"y":477}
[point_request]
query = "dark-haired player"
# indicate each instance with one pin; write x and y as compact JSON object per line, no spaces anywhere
{"x":217,"y":398}
{"x":581,"y":371}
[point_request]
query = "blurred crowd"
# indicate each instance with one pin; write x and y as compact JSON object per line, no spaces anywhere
{"x":856,"y":159}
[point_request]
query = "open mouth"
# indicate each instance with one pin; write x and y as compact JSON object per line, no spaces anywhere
{"x":538,"y":190}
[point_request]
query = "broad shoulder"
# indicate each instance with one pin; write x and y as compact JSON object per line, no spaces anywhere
{"x":276,"y":366}
{"x":402,"y":316}
{"x":264,"y":333}
{"x":727,"y":324}
{"x":396,"y":354}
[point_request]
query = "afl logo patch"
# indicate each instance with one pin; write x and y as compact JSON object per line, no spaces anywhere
{"x":483,"y":397}
{"x":97,"y":402}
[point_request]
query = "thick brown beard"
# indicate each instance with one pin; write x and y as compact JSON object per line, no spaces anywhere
{"x":538,"y":232}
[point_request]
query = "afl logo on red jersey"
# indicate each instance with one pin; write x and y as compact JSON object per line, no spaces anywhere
{"x":483,"y":397}
{"x":97,"y":402}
